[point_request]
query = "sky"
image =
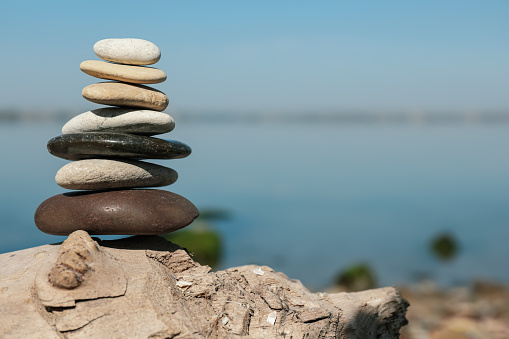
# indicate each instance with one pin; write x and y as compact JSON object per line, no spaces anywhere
{"x":269,"y":56}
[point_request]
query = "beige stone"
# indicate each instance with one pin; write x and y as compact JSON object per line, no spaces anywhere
{"x":128,"y":51}
{"x":120,"y":94}
{"x":98,"y":174}
{"x":127,"y":73}
{"x":122,"y":120}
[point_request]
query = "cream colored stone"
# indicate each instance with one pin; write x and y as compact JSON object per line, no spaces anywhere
{"x":122,"y":120}
{"x":128,"y":51}
{"x":98,"y":174}
{"x":127,"y":73}
{"x":120,"y":94}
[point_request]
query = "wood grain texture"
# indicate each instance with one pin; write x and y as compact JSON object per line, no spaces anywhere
{"x":168,"y":295}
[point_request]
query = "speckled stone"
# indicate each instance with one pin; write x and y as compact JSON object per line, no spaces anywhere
{"x":136,"y":212}
{"x":101,"y":174}
{"x":128,"y":51}
{"x":115,"y":145}
{"x":121,"y":94}
{"x":126,"y":73}
{"x":122,"y":120}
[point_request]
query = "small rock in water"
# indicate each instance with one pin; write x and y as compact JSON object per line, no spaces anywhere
{"x":100,"y":174}
{"x":120,"y":119}
{"x":132,"y":74}
{"x":128,"y":51}
{"x":136,"y":212}
{"x":121,"y":94}
{"x":115,"y":145}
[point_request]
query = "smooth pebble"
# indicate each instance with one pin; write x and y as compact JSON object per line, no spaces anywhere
{"x":100,"y":174}
{"x":126,"y":73}
{"x":120,"y":119}
{"x":128,"y":51}
{"x":136,"y":212}
{"x":115,"y":145}
{"x":122,"y":94}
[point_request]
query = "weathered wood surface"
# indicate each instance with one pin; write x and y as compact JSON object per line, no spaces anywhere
{"x":146,"y":287}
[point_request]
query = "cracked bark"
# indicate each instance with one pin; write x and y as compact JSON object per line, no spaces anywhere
{"x":146,"y":287}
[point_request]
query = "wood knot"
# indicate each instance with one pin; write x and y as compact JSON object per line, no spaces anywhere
{"x":70,"y":268}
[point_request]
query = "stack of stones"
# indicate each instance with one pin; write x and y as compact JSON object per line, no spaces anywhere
{"x":106,"y":145}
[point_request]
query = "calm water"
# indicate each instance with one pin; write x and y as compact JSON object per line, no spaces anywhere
{"x":311,"y":199}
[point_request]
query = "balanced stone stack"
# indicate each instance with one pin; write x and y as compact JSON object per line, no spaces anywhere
{"x":106,"y":145}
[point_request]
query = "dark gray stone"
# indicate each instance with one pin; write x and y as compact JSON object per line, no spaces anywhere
{"x":96,"y":145}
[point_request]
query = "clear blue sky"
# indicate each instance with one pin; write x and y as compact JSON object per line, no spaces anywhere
{"x":248,"y":56}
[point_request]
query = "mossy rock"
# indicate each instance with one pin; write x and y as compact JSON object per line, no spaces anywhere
{"x":357,"y":277}
{"x":213,"y":214}
{"x":204,"y":245}
{"x":444,"y":246}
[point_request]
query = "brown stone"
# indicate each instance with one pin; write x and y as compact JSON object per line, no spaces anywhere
{"x":127,"y":73}
{"x":136,"y":212}
{"x":121,"y":94}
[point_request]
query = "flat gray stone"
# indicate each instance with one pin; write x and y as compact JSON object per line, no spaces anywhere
{"x":101,"y":174}
{"x":128,"y":51}
{"x":122,"y":120}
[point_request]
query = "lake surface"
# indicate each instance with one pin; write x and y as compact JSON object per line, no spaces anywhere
{"x":312,"y":199}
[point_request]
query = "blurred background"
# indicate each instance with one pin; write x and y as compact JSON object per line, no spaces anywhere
{"x":348,"y":144}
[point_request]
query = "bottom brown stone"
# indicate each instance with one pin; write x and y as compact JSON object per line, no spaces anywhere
{"x":133,"y":212}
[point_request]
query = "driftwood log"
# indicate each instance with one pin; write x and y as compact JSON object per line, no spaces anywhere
{"x":147,"y":287}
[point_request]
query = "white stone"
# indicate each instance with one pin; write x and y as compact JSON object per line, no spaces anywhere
{"x":128,"y":51}
{"x":98,"y":174}
{"x":122,"y":120}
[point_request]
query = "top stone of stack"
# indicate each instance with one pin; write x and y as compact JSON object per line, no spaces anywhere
{"x":128,"y":51}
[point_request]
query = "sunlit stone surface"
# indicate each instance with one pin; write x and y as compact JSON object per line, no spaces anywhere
{"x":121,"y":94}
{"x":100,"y":174}
{"x":120,"y":119}
{"x":137,"y":212}
{"x":128,"y":51}
{"x":79,"y":146}
{"x":127,"y":73}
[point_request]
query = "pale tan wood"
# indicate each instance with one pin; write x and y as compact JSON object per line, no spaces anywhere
{"x":146,"y":287}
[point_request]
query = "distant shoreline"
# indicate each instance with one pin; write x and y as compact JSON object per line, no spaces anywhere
{"x":263,"y":118}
